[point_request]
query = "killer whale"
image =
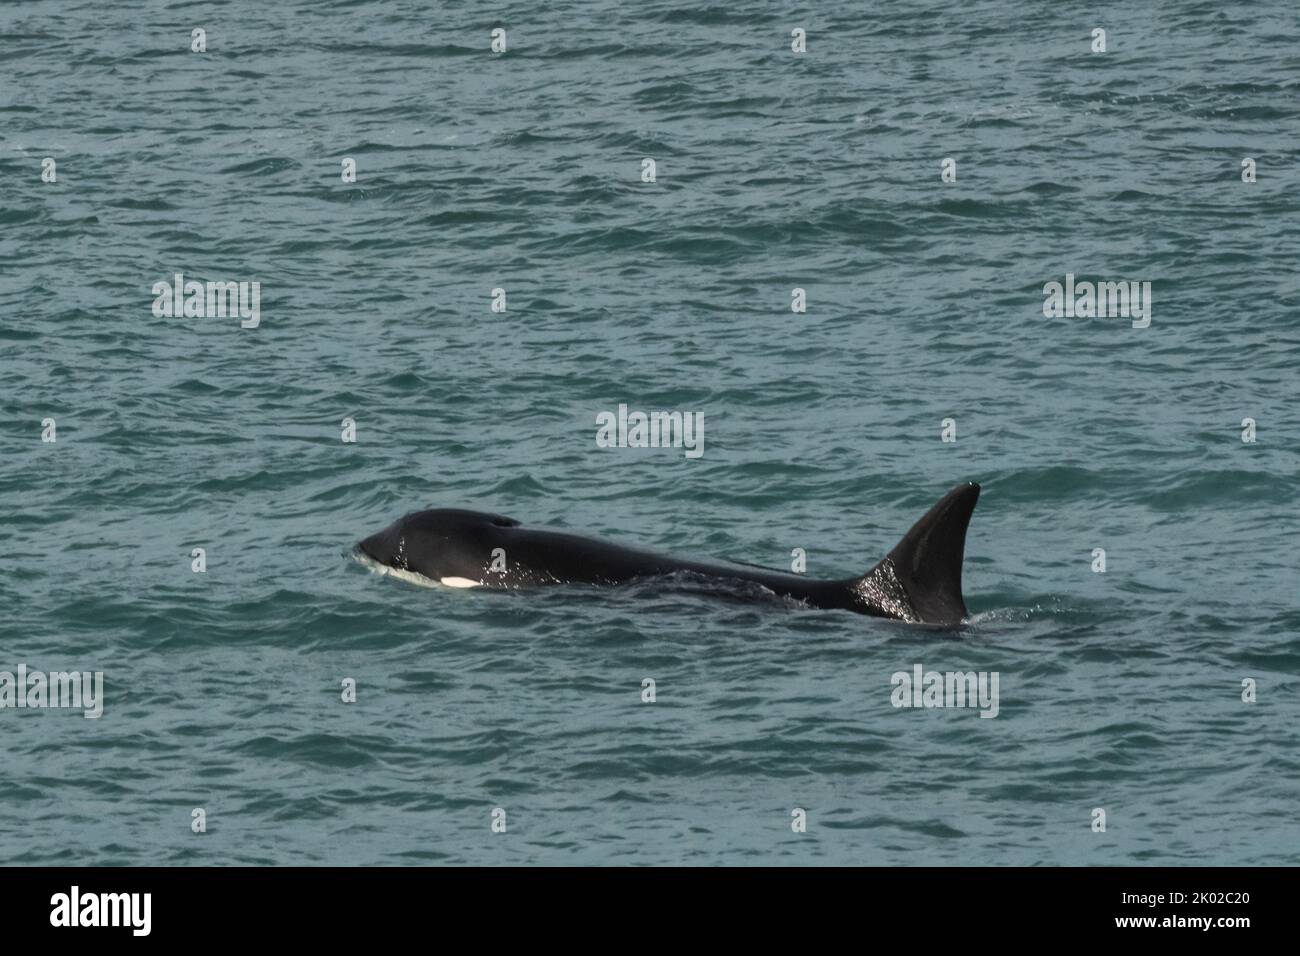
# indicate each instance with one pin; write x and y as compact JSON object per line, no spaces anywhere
{"x":919,"y":581}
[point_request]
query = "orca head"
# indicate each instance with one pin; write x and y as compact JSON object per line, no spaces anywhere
{"x":388,"y":547}
{"x":441,"y":544}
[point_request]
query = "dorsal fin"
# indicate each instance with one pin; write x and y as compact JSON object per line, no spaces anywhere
{"x":926,"y":563}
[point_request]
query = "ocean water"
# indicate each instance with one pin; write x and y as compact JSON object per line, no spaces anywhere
{"x":1120,"y":691}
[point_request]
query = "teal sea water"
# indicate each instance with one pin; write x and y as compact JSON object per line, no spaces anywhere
{"x":523,"y":171}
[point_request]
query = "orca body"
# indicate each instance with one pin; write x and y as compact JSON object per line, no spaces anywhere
{"x":919,"y":581}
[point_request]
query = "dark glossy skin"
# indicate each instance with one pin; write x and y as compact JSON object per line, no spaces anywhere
{"x":919,"y":581}
{"x":449,"y":543}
